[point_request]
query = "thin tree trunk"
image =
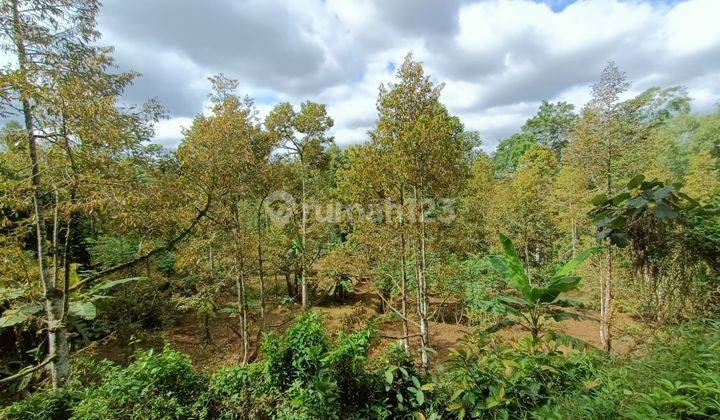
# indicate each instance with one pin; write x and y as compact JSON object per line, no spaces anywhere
{"x":54,"y":297}
{"x":574,"y":238}
{"x":303,"y":280}
{"x":403,"y":274}
{"x":606,"y":303}
{"x":422,"y":288}
{"x":242,"y":307}
{"x":261,"y":272}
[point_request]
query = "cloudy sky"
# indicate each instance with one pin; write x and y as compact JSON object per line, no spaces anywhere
{"x":498,"y":58}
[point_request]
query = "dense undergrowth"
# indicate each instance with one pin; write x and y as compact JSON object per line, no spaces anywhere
{"x":303,"y":374}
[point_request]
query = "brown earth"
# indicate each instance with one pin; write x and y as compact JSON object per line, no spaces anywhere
{"x":359,"y":306}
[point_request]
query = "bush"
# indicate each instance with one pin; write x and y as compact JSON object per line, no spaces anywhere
{"x":238,"y":392}
{"x":493,"y":380}
{"x":154,"y":386}
{"x":680,"y":378}
{"x":53,"y":404}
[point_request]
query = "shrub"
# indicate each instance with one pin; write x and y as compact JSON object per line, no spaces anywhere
{"x":680,"y":378}
{"x":494,"y":380}
{"x":238,"y":392}
{"x":52,"y":404}
{"x":154,"y":386}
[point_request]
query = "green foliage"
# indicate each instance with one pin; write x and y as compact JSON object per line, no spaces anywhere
{"x":161,"y":385}
{"x":488,"y":380}
{"x":509,"y":152}
{"x":53,"y":404}
{"x":537,"y":304}
{"x":678,"y":379}
{"x":238,"y":392}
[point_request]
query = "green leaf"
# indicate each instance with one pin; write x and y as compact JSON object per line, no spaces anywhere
{"x":19,"y":315}
{"x":389,"y":376}
{"x":513,"y":299}
{"x":10,"y":293}
{"x":84,"y":310}
{"x":112,"y":283}
{"x":637,"y":202}
{"x":510,"y":267}
{"x":568,"y":303}
{"x":562,"y":316}
{"x":664,"y":211}
{"x":662,"y":193}
{"x":620,"y":198}
{"x":619,"y":239}
{"x":635,"y":181}
{"x":568,"y":341}
{"x":575,"y":262}
{"x":420,"y":397}
{"x":506,"y":323}
{"x":599,"y":199}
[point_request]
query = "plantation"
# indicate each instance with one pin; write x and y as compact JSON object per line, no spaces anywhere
{"x":262,"y":267}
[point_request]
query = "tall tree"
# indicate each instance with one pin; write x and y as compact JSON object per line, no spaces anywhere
{"x":304,"y":135}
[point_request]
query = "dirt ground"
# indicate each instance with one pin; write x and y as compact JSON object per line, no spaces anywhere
{"x":358,"y":307}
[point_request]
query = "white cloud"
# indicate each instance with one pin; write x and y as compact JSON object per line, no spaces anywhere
{"x":498,"y":58}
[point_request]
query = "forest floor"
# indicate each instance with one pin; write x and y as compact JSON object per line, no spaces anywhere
{"x":359,"y":306}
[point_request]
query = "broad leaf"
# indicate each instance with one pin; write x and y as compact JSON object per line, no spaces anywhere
{"x":506,"y":323}
{"x":19,"y":315}
{"x":575,"y":262}
{"x":568,"y":303}
{"x":511,"y":269}
{"x":112,"y":283}
{"x":10,"y":293}
{"x":562,"y":316}
{"x":84,"y":310}
{"x":635,"y":181}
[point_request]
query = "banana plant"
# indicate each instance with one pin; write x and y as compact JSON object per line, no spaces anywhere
{"x":536,"y":305}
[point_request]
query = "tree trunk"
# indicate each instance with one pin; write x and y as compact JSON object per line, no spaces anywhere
{"x":574,"y":238}
{"x":242,"y":307}
{"x":422,"y":290}
{"x":303,"y":280}
{"x":54,"y":298}
{"x":606,"y":303}
{"x":261,"y":271}
{"x":403,"y":275}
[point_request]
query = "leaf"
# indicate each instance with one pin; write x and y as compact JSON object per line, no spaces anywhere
{"x":599,"y":199}
{"x":112,"y":283}
{"x":637,"y":202}
{"x":575,"y":262}
{"x":507,"y":323}
{"x":84,"y":310}
{"x":10,"y":293}
{"x":510,"y":267}
{"x":568,"y":341}
{"x":568,"y":303}
{"x":620,"y":198}
{"x":664,"y":211}
{"x":18,"y":315}
{"x":619,"y":239}
{"x":513,"y":299}
{"x":563,"y":316}
{"x":635,"y":181}
{"x":420,"y":397}
{"x":662,"y":193}
{"x":389,"y":376}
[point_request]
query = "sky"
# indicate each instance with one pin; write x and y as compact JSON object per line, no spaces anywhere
{"x":498,"y":59}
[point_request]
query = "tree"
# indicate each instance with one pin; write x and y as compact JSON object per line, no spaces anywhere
{"x":63,"y":88}
{"x":509,"y":152}
{"x":551,"y":125}
{"x":304,"y":135}
{"x":598,"y":143}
